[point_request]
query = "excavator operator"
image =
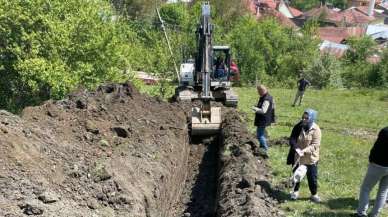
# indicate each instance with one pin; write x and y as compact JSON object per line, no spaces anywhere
{"x":220,"y":68}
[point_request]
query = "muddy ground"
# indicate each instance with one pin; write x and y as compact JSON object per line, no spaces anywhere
{"x":116,"y":152}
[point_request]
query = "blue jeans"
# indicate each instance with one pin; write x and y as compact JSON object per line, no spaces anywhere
{"x":219,"y":73}
{"x":260,"y":133}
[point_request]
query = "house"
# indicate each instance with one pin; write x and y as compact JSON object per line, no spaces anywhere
{"x":266,"y":4}
{"x":355,"y":17}
{"x":340,"y":34}
{"x":350,"y":17}
{"x":277,"y":9}
{"x":379,"y":33}
{"x":332,"y":48}
{"x":288,"y":11}
{"x":326,"y":15}
{"x":383,"y":6}
{"x":356,"y":3}
{"x":285,"y":21}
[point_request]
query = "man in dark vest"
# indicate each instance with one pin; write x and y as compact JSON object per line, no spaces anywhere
{"x":265,"y":115}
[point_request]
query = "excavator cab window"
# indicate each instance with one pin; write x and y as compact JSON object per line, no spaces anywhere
{"x":221,"y":64}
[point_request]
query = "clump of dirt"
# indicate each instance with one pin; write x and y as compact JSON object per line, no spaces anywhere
{"x":111,"y":152}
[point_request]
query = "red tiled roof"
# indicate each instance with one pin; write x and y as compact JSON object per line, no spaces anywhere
{"x":285,"y":21}
{"x":349,"y":16}
{"x":325,"y":13}
{"x":339,"y":34}
{"x":354,"y":16}
{"x":268,"y":3}
{"x":363,"y":9}
{"x":295,"y":12}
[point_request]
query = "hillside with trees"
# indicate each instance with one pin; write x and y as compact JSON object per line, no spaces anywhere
{"x":49,"y":48}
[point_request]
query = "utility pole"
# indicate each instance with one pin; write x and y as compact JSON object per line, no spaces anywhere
{"x":168,"y":43}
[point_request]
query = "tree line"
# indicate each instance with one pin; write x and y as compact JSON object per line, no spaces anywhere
{"x":49,"y":48}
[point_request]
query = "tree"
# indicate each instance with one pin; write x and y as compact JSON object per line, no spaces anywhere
{"x":51,"y":47}
{"x":226,"y":11}
{"x":269,"y":51}
{"x":325,"y":72}
{"x":361,"y":49}
{"x":136,"y":9}
{"x":357,"y":70}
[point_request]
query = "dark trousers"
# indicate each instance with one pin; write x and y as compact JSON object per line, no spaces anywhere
{"x":312,"y":178}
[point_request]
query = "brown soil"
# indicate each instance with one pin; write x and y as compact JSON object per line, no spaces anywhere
{"x":115,"y":152}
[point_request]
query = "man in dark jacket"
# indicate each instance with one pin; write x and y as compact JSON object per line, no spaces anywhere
{"x":264,"y":114}
{"x":377,"y":173}
{"x":302,"y":85}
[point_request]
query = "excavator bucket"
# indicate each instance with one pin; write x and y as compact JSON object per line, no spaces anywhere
{"x":205,"y":123}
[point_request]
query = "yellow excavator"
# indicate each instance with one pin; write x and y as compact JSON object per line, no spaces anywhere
{"x":207,"y":79}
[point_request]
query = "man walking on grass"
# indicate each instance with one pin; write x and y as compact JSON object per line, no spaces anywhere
{"x":302,"y":85}
{"x":264,"y":115}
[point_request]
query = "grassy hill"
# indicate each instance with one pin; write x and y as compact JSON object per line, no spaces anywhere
{"x":350,"y":121}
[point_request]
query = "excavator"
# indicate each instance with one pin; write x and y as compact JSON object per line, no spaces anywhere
{"x":204,"y":80}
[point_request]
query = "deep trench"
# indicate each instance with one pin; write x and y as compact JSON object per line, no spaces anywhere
{"x":201,"y":186}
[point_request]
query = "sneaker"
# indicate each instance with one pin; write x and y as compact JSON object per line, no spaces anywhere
{"x":294,"y":195}
{"x":315,"y":198}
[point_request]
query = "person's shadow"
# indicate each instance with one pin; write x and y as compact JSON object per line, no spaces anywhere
{"x":342,"y":203}
{"x":337,"y":204}
{"x":325,"y":214}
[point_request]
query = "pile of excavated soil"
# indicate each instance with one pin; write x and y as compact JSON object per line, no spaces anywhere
{"x":112,"y":152}
{"x":244,"y":181}
{"x":115,"y":152}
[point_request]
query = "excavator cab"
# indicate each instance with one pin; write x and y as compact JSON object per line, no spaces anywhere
{"x":221,"y":63}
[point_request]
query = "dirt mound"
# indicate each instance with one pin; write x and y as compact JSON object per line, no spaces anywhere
{"x":112,"y":152}
{"x":244,"y":188}
{"x":115,"y":152}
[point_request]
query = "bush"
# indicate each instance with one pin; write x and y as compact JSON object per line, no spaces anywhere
{"x":325,"y":72}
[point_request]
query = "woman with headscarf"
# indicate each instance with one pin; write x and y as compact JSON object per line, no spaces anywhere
{"x":307,"y":153}
{"x":377,"y":173}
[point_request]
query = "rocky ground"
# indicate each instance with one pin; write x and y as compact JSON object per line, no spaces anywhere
{"x":116,"y":152}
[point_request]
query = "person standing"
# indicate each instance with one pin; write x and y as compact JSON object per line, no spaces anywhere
{"x":302,"y":85}
{"x":377,"y":173}
{"x":264,"y":115}
{"x":307,"y":153}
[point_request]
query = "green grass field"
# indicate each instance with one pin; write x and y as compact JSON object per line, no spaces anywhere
{"x":349,"y":120}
